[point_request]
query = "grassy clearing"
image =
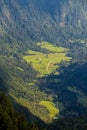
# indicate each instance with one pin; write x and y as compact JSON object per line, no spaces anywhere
{"x":34,"y":107}
{"x":52,"y":48}
{"x":31,"y":84}
{"x":50,"y":106}
{"x":20,"y":69}
{"x":46,"y":64}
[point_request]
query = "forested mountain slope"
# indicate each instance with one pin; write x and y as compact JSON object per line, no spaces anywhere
{"x":44,"y":20}
{"x":11,"y":120}
{"x":78,"y":123}
{"x":43,"y":52}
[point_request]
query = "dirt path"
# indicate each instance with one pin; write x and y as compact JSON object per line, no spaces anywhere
{"x":47,"y":67}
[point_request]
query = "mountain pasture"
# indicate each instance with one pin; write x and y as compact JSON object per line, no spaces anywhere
{"x":46,"y":63}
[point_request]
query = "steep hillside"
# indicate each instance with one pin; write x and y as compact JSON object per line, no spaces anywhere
{"x":10,"y":119}
{"x":23,"y":23}
{"x":78,"y":123}
{"x":43,"y":46}
{"x":44,"y":20}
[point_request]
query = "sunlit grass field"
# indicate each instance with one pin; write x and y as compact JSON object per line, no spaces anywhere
{"x":47,"y":63}
{"x":50,"y":106}
{"x":52,"y":48}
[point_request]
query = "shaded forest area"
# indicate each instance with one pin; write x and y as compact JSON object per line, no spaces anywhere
{"x":79,"y":123}
{"x":12,"y":120}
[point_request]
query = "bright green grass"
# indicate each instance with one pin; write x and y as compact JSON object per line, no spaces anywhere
{"x":50,"y":106}
{"x":46,"y":64}
{"x":31,"y":84}
{"x":52,"y":48}
{"x":21,"y":69}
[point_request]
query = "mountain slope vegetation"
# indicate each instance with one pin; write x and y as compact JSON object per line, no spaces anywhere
{"x":10,"y":119}
{"x":30,"y":80}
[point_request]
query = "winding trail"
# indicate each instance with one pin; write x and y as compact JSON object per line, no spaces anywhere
{"x":47,"y":67}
